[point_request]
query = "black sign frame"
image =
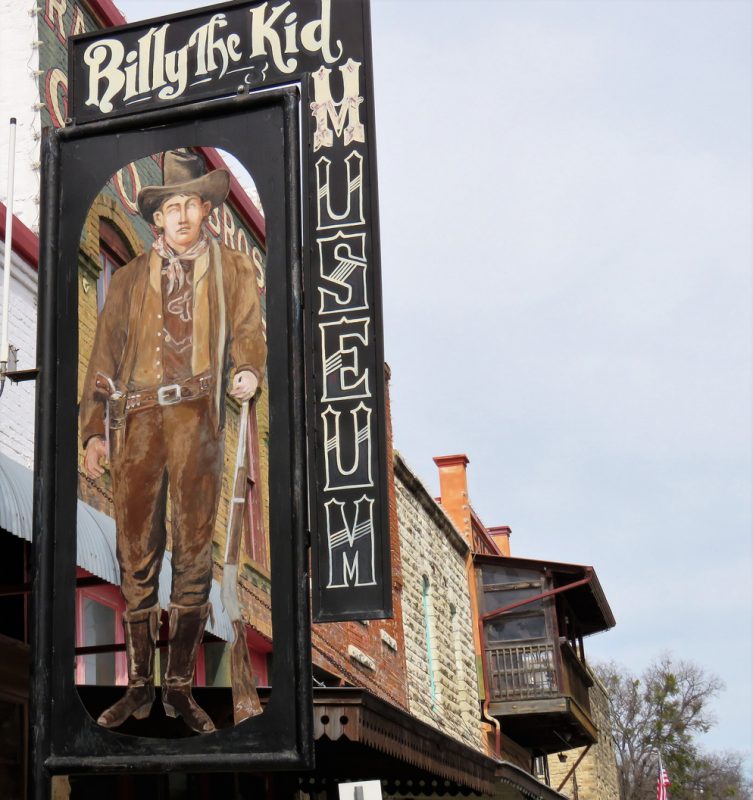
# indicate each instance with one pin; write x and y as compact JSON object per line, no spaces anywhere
{"x":65,"y":738}
{"x":324,"y":46}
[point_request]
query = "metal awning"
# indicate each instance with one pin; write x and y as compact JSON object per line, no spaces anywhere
{"x":517,"y":784}
{"x":95,"y":539}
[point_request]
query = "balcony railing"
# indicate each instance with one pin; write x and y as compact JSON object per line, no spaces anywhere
{"x":522,"y":671}
{"x":533,"y":671}
{"x":576,"y":680}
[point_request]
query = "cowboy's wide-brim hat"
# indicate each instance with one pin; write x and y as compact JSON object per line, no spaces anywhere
{"x":184,"y":173}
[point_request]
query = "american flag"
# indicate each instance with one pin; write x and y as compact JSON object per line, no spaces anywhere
{"x":662,"y":783}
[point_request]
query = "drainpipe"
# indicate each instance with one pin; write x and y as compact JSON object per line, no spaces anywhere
{"x":496,"y":613}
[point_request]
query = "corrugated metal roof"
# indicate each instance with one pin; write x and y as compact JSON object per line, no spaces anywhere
{"x":95,"y":539}
{"x":95,"y":543}
{"x":16,"y":492}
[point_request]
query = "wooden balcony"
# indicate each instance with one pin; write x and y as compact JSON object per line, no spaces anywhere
{"x":539,"y":692}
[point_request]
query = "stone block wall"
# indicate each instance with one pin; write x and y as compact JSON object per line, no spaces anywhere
{"x":596,"y":775}
{"x":442,"y":682}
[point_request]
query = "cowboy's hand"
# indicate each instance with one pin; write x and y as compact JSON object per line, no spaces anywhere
{"x":96,"y":453}
{"x":245,"y":384}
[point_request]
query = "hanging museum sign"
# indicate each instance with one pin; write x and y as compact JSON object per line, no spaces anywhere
{"x":200,"y":355}
{"x":243,"y":48}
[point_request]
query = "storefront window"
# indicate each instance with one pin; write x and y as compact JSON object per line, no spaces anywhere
{"x":98,"y":629}
{"x":113,"y":253}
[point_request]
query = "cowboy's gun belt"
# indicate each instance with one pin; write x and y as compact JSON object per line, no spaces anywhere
{"x":170,"y":394}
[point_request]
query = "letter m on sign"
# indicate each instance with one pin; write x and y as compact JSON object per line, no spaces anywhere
{"x":350,"y":542}
{"x":326,"y":109}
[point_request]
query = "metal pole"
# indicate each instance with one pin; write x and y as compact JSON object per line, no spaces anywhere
{"x":548,"y":593}
{"x":45,"y":440}
{"x":8,"y":246}
{"x":573,"y":768}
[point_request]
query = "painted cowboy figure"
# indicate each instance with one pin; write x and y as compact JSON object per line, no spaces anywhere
{"x":181,"y":325}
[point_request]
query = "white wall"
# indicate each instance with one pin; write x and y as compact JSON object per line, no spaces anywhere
{"x":19,"y":93}
{"x":17,"y":400}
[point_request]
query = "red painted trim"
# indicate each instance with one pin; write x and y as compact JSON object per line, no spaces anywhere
{"x":25,"y":243}
{"x":238,"y":197}
{"x":107,"y":13}
{"x":109,"y":16}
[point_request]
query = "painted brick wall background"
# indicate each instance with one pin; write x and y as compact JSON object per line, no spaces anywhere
{"x":432,"y":548}
{"x":17,"y":401}
{"x":597,"y":773}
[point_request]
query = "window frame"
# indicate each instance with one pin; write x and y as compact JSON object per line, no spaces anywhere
{"x":110,"y":596}
{"x":114,"y":253}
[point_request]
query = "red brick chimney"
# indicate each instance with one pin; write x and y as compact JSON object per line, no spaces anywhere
{"x":453,"y":491}
{"x":501,"y":537}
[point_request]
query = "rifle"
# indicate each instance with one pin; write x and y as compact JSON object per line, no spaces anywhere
{"x":245,"y":699}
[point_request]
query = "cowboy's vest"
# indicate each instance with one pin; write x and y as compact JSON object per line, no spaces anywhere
{"x":173,"y":341}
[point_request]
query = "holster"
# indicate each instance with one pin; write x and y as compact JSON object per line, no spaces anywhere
{"x":116,"y":411}
{"x":116,"y":408}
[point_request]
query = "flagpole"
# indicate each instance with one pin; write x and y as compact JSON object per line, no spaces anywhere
{"x":661,"y":793}
{"x":662,"y":781}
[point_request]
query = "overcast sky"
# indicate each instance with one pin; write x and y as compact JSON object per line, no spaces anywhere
{"x":566,"y":196}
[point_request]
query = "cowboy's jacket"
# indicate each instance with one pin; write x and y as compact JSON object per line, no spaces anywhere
{"x":227,"y":330}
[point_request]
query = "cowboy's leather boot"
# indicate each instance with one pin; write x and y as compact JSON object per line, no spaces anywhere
{"x":141,"y":628}
{"x":186,"y":629}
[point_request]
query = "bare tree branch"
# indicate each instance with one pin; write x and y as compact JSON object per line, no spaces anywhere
{"x":663,"y":710}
